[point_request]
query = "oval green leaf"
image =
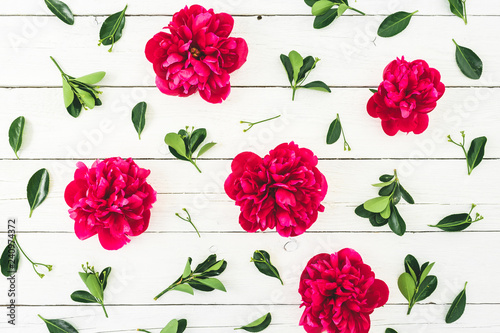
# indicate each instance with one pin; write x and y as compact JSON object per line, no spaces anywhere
{"x":258,"y":325}
{"x":334,"y":132}
{"x":396,"y":222}
{"x":412,"y":267}
{"x":82,"y":296}
{"x":426,"y":288}
{"x":425,"y":271}
{"x":457,"y":307}
{"x":376,"y":205}
{"x":86,"y":97}
{"x":139,"y":117}
{"x":476,"y":152}
{"x":95,"y":288}
{"x":386,"y":178}
{"x":406,"y":286}
{"x":171,"y":327}
{"x":112,"y":28}
{"x":390,"y":330}
{"x":175,"y":141}
{"x":103,"y":277}
{"x":408,"y":198}
{"x":212,"y":283}
{"x":394,"y":24}
{"x":454,"y":222}
{"x":468,"y":62}
{"x":321,"y":7}
{"x":206,"y":148}
{"x":457,"y":8}
{"x":197,"y":137}
{"x":297,"y":62}
{"x":326,"y":19}
{"x":262,"y":261}
{"x":317,"y":85}
{"x":38,"y":188}
{"x":61,"y":10}
{"x":308,"y":65}
{"x":9,"y":262}
{"x":288,"y":67}
{"x":58,"y":326}
{"x":16,"y":130}
{"x":362,"y":212}
{"x":75,"y":108}
{"x":92,"y":78}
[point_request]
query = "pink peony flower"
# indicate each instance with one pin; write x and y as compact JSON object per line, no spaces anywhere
{"x":283,"y":190}
{"x":339,"y":292}
{"x":111,"y":199}
{"x":408,"y":93}
{"x":197,"y":54}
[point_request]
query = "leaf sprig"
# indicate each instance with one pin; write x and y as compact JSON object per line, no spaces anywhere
{"x":459,"y":9}
{"x":382,"y":210}
{"x":9,"y":262}
{"x":202,"y":278}
{"x":262,"y":261}
{"x":112,"y":28}
{"x":334,"y":132}
{"x":476,"y":150}
{"x":173,"y":326}
{"x":257,"y":325}
{"x":458,"y":222}
{"x":250,"y":124}
{"x":415,"y":283}
{"x":188,"y":219}
{"x":80,"y":92}
{"x":96,"y":283}
{"x":184,"y":143}
{"x":298,"y":69}
{"x":326,"y":11}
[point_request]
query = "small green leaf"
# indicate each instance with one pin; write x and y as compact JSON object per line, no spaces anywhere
{"x":206,"y":264}
{"x":92,"y":78}
{"x":75,"y":108}
{"x":87,"y":98}
{"x":390,"y":330}
{"x":426,"y":288}
{"x":326,"y":19}
{"x":387,"y":190}
{"x":297,"y":61}
{"x":387,"y":183}
{"x":171,"y":327}
{"x":212,"y":283}
{"x":454,"y":222}
{"x":103,"y":277}
{"x":386,"y":178}
{"x":334,"y":132}
{"x":341,"y":9}
{"x":9,"y":262}
{"x":258,"y":325}
{"x":262,"y":261}
{"x":187,"y":269}
{"x":16,"y":130}
{"x":68,"y":93}
{"x":112,"y":28}
{"x":476,"y":152}
{"x":206,"y":148}
{"x":411,"y":264}
{"x":321,"y":7}
{"x":408,"y":198}
{"x":386,"y":212}
{"x":373,"y":90}
{"x":425,"y":271}
{"x":468,"y":62}
{"x":38,"y":189}
{"x":362,"y":212}
{"x":82,"y":296}
{"x":396,"y":222}
{"x":457,"y":8}
{"x":139,"y":117}
{"x":175,"y":141}
{"x":310,"y":3}
{"x":58,"y":326}
{"x":376,"y":205}
{"x":61,"y":10}
{"x":185,"y":288}
{"x":394,"y":24}
{"x":377,"y":221}
{"x":288,"y":67}
{"x":457,"y":307}
{"x":197,"y":137}
{"x":406,"y":286}
{"x":216,"y":266}
{"x":309,"y":64}
{"x":94,"y":286}
{"x":317,"y":85}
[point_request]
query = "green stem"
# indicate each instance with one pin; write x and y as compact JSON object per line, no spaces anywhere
{"x":293,"y":94}
{"x":358,"y":11}
{"x":16,"y":155}
{"x":258,"y":122}
{"x":194,"y":163}
{"x":465,"y":12}
{"x":172,"y":286}
{"x":188,"y":220}
{"x":141,"y":330}
{"x":104,"y":308}
{"x":58,"y":67}
{"x":34,"y":264}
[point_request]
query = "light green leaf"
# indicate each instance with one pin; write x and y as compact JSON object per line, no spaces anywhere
{"x":321,"y":7}
{"x":175,"y":141}
{"x":297,"y":61}
{"x":185,"y":288}
{"x":377,"y":205}
{"x":213,"y":283}
{"x":92,"y":78}
{"x":206,"y":148}
{"x":341,"y":9}
{"x":187,"y":269}
{"x":87,"y":98}
{"x":95,"y":288}
{"x":171,"y":327}
{"x":406,"y":286}
{"x":68,"y":94}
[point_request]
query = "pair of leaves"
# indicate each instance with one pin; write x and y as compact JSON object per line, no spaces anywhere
{"x":394,"y":24}
{"x":474,"y":156}
{"x":415,"y":284}
{"x":61,"y":10}
{"x":16,"y":130}
{"x":298,"y":69}
{"x":334,"y":132}
{"x":324,"y":12}
{"x":184,"y":143}
{"x":58,"y":326}
{"x":112,"y":29}
{"x":262,"y":261}
{"x":457,"y":222}
{"x":468,"y":62}
{"x":139,"y":117}
{"x":457,"y":308}
{"x":96,"y":284}
{"x":257,"y":325}
{"x":457,"y":7}
{"x":38,"y":189}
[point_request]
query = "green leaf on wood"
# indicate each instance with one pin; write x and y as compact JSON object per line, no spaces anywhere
{"x":38,"y":189}
{"x":139,"y":117}
{"x":457,"y":308}
{"x":258,"y":325}
{"x":394,"y":24}
{"x":468,"y":62}
{"x":112,"y":28}
{"x":61,"y":10}
{"x":16,"y":130}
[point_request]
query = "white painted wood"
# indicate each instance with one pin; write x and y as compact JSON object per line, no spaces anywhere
{"x":432,"y":170}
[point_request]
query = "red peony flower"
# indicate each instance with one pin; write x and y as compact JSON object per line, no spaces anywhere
{"x":283,"y":190}
{"x":111,"y":199}
{"x":339,"y":292}
{"x":197,"y":54}
{"x":408,"y":93}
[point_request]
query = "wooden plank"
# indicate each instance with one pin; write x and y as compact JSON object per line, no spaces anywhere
{"x":351,"y":56}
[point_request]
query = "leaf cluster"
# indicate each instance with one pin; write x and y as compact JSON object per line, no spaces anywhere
{"x":326,"y":11}
{"x":475,"y":154}
{"x":96,"y":284}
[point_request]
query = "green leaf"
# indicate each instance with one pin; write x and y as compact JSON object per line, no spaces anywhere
{"x":82,"y":296}
{"x":362,"y":212}
{"x":377,"y":221}
{"x":341,"y":9}
{"x":185,"y":288}
{"x":197,"y":137}
{"x":376,"y":205}
{"x":87,"y":98}
{"x":387,"y":190}
{"x":457,"y":8}
{"x":171,"y":327}
{"x":38,"y":188}
{"x":61,"y":10}
{"x":457,"y":307}
{"x":396,"y":197}
{"x":386,"y":212}
{"x":68,"y":93}
{"x":406,"y":286}
{"x":9,"y":262}
{"x":326,"y":19}
{"x":175,"y":141}
{"x":426,"y":288}
{"x":468,"y":62}
{"x":334,"y":132}
{"x":310,"y":3}
{"x":92,"y":78}
{"x":182,"y":325}
{"x":262,"y":261}
{"x":288,"y":67}
{"x":139,"y":117}
{"x":258,"y":325}
{"x":206,"y":264}
{"x":16,"y":130}
{"x":384,"y":183}
{"x":396,"y":223}
{"x":297,"y":61}
{"x":94,"y":286}
{"x":58,"y":326}
{"x":394,"y":24}
{"x":103,"y":277}
{"x":425,"y":271}
{"x":408,"y":198}
{"x":215,"y":267}
{"x":386,"y":178}
{"x":187,"y":269}
{"x":112,"y":28}
{"x":309,"y":64}
{"x":411,"y":265}
{"x":373,"y":90}
{"x":321,"y":7}
{"x":206,"y":148}
{"x":476,"y":152}
{"x":75,"y":108}
{"x":317,"y":85}
{"x":454,"y":222}
{"x":390,"y":330}
{"x":212,"y":283}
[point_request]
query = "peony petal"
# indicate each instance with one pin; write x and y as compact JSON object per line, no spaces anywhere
{"x":109,"y":242}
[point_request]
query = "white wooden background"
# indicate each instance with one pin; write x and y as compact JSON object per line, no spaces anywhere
{"x":432,"y":170}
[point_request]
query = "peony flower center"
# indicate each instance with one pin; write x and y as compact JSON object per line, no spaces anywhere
{"x":195,"y":52}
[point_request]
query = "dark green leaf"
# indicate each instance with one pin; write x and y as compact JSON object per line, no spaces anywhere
{"x":258,"y":325}
{"x":394,"y":24}
{"x":176,"y":155}
{"x":317,"y":85}
{"x":321,"y":7}
{"x":197,"y":137}
{"x":457,"y":8}
{"x":396,"y":197}
{"x":200,"y":286}
{"x":334,"y":132}
{"x":58,"y":326}
{"x":406,"y":286}
{"x":310,"y":3}
{"x":103,"y":277}
{"x":390,"y":330}
{"x":468,"y":62}
{"x":61,"y":10}
{"x":408,"y":198}
{"x":182,"y":325}
{"x":454,"y":222}
{"x":38,"y":188}
{"x":112,"y":28}
{"x":16,"y":134}
{"x":377,"y":221}
{"x":396,"y":223}
{"x":82,"y":296}
{"x":476,"y":152}
{"x":9,"y":262}
{"x":386,"y":178}
{"x":288,"y":67}
{"x":262,"y":261}
{"x":373,"y":90}
{"x":206,"y":264}
{"x":362,"y":212}
{"x":325,"y":19}
{"x":386,"y":190}
{"x":75,"y":108}
{"x":426,"y":288}
{"x":306,"y":67}
{"x":411,"y":264}
{"x":139,"y":117}
{"x":457,"y":307}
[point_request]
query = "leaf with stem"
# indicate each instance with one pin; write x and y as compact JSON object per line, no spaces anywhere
{"x":112,"y":28}
{"x":58,"y":326}
{"x":468,"y":62}
{"x":38,"y":189}
{"x":457,"y":308}
{"x":458,"y":222}
{"x":262,"y":261}
{"x":475,"y":154}
{"x":257,"y":325}
{"x":16,"y":130}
